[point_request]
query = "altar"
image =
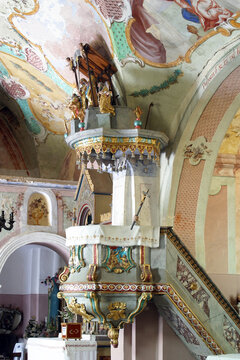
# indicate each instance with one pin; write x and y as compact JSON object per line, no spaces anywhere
{"x":57,"y":348}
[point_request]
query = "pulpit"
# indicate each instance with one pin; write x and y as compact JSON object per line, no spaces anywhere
{"x":57,"y":348}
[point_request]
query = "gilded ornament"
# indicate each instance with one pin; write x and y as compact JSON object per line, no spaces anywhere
{"x":117,"y":311}
{"x":79,"y":309}
{"x":60,"y":295}
{"x":138,"y":112}
{"x":113,"y":334}
{"x":146,"y":275}
{"x":118,"y":259}
{"x":64,"y":275}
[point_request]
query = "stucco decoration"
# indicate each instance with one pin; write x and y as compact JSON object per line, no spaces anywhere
{"x":231,"y":334}
{"x":197,"y":150}
{"x":192,"y":286}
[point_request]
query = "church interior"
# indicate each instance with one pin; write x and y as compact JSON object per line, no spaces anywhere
{"x":119,"y":179}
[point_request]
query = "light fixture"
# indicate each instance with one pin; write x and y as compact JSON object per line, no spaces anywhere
{"x":3,"y":222}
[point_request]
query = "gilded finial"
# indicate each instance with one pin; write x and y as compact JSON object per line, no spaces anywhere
{"x":138,"y":112}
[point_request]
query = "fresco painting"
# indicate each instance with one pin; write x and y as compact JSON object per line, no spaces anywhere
{"x":48,"y":106}
{"x":68,"y":30}
{"x":38,"y":210}
{"x":167,"y":40}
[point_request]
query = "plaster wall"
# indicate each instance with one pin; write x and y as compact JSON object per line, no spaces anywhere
{"x":21,"y":279}
{"x":149,"y":337}
{"x":216,"y":233}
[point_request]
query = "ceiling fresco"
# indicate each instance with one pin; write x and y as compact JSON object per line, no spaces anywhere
{"x":36,"y":36}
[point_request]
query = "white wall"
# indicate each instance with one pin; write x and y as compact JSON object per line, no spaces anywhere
{"x":26,"y":268}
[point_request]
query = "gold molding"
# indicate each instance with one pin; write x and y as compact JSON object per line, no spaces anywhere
{"x":117,"y":310}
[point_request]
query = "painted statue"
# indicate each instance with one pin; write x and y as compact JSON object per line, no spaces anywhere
{"x":53,"y":301}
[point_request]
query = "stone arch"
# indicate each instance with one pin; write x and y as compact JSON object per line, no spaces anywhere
{"x":53,"y":241}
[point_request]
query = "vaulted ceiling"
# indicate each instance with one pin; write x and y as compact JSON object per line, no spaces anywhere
{"x":161,"y":49}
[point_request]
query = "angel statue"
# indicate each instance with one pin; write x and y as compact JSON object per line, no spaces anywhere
{"x":76,"y":107}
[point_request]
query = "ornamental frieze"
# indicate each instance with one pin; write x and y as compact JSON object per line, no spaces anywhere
{"x":192,"y":286}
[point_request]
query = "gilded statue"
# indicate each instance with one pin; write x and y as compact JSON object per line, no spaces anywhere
{"x":138,"y":112}
{"x":76,"y":107}
{"x":105,"y":96}
{"x":92,"y":91}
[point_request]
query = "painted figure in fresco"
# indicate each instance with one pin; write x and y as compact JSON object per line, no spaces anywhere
{"x":149,"y":36}
{"x":145,"y":43}
{"x":206,"y":12}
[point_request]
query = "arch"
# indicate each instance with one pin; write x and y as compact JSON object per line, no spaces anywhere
{"x":194,"y":180}
{"x":53,"y":241}
{"x":52,"y":206}
{"x":85,"y":215}
{"x":185,"y":209}
{"x":38,"y":210}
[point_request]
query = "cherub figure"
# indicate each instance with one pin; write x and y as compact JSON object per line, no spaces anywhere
{"x":76,"y":107}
